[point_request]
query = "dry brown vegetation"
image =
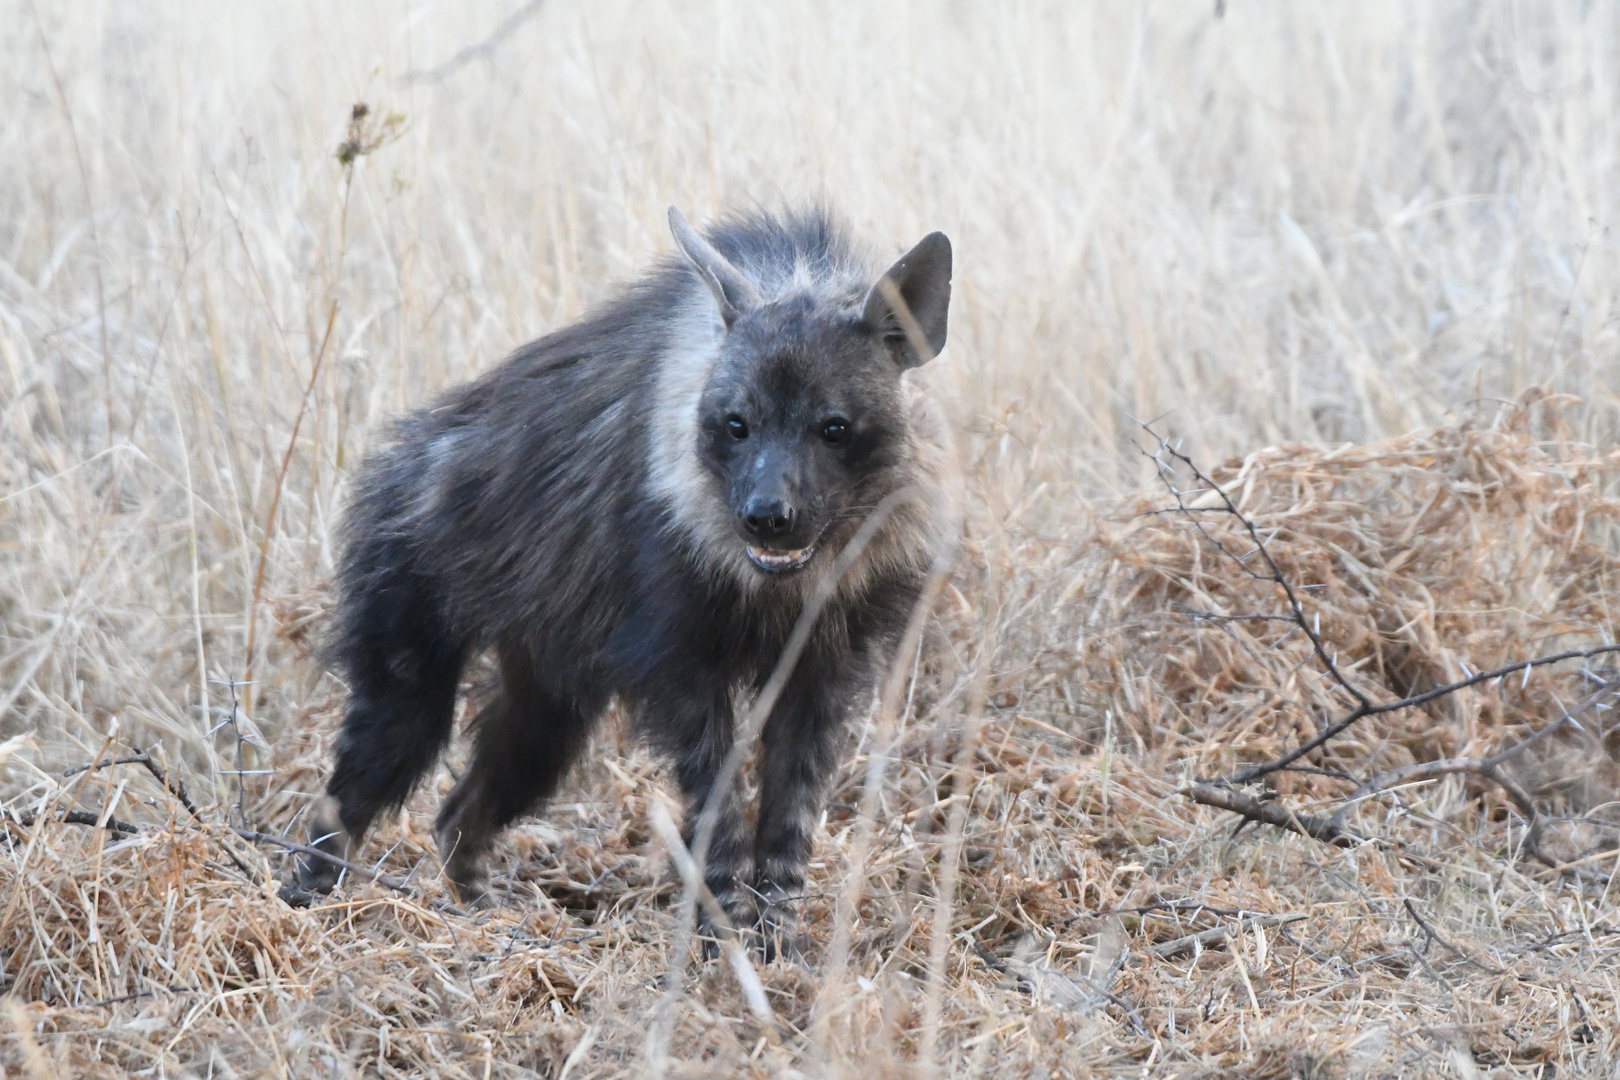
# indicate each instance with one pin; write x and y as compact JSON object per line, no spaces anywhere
{"x":1359,"y":257}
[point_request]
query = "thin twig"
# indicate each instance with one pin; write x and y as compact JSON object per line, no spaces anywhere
{"x":1216,"y":934}
{"x":1562,"y":937}
{"x":120,"y":999}
{"x":281,"y":481}
{"x":1432,"y":770}
{"x":1192,"y":906}
{"x":484,"y":50}
{"x":1361,"y":712}
{"x":1436,"y":936}
{"x":72,"y":817}
{"x":170,"y":785}
{"x":136,"y":758}
{"x":1275,"y":574}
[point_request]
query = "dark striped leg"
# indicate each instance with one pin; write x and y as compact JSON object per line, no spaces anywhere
{"x":798,"y":752}
{"x":403,"y":666}
{"x":726,"y":862}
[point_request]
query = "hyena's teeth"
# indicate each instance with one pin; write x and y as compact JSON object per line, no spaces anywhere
{"x":767,"y":559}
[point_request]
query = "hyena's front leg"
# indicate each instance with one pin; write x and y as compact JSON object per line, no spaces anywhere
{"x":700,"y":740}
{"x":798,"y":752}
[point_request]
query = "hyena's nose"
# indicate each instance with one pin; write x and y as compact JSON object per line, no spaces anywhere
{"x":766,"y":518}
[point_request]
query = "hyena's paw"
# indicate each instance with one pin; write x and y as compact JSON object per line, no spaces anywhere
{"x":465,"y":869}
{"x":473,"y":893}
{"x":778,"y":928}
{"x":470,"y":880}
{"x":313,"y":874}
{"x":740,"y":912}
{"x":766,"y":921}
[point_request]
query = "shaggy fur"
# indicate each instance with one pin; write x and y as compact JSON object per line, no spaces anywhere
{"x":612,"y":511}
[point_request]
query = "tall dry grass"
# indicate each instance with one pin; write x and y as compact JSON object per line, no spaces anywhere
{"x":1290,"y":223}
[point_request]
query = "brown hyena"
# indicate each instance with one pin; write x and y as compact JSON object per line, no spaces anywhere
{"x":635,"y":509}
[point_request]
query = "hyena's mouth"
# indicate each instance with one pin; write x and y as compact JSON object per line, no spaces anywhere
{"x":773,"y":561}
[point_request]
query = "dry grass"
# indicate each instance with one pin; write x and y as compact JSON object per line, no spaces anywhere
{"x":1300,"y":230}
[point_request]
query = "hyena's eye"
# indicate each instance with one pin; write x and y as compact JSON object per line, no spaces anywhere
{"x":736,"y":427}
{"x":835,"y":430}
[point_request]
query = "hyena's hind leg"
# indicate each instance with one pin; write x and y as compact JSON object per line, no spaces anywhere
{"x":524,"y":742}
{"x":403,"y":667}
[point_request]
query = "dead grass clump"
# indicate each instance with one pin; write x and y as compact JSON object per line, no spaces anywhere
{"x":1420,"y":560}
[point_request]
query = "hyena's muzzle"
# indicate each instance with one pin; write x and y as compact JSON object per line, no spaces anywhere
{"x":777,"y":513}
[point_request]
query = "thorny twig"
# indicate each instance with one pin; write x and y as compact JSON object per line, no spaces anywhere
{"x":1360,"y":712}
{"x":170,"y":785}
{"x":235,"y":718}
{"x":141,"y":757}
{"x":1331,"y":830}
{"x":1274,"y":572}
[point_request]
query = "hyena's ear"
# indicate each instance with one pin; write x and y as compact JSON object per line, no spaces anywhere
{"x":733,"y":293}
{"x":908,"y":305}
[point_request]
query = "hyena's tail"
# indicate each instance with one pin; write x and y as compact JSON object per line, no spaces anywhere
{"x":395,"y":644}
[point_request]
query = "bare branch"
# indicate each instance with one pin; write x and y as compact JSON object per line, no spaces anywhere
{"x":1487,"y":768}
{"x":1332,"y":830}
{"x":484,"y":50}
{"x":1364,"y":706}
{"x":72,"y":817}
{"x":1270,"y":814}
{"x":1361,"y":712}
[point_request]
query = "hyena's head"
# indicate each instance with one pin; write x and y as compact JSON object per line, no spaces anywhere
{"x":803,"y":422}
